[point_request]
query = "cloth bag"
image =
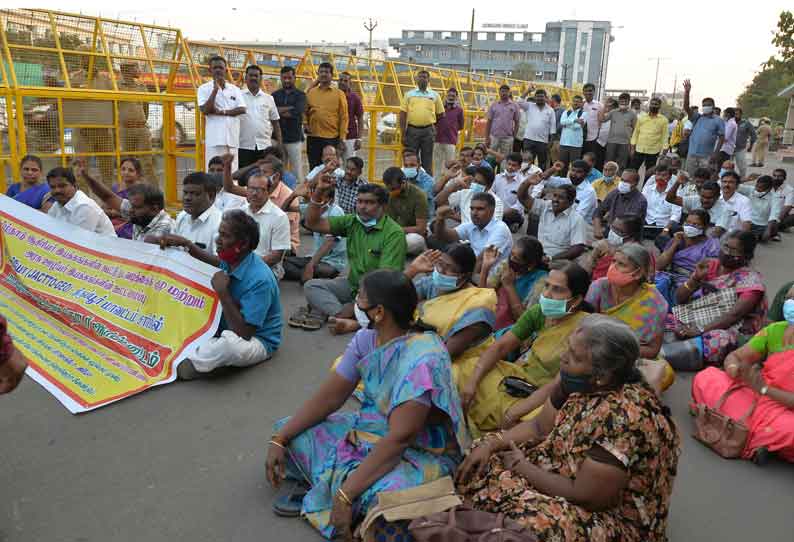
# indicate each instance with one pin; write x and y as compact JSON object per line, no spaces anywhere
{"x":702,"y":311}
{"x":720,"y":432}
{"x":466,"y":525}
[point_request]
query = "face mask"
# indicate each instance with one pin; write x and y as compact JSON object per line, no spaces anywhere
{"x":692,"y":231}
{"x":477,"y":188}
{"x":232,"y":254}
{"x":575,"y":383}
{"x":609,"y":178}
{"x":361,"y":317}
{"x":141,"y":221}
{"x":553,"y":308}
{"x":516,"y":267}
{"x":788,"y":311}
{"x":410,"y":172}
{"x":510,"y":174}
{"x":722,"y":172}
{"x":761,"y":194}
{"x":707,"y":110}
{"x":614,"y":238}
{"x":624,"y":187}
{"x":367,"y":223}
{"x":624,"y":107}
{"x":653,"y":109}
{"x":444,"y":283}
{"x":731,"y":262}
{"x":618,"y":278}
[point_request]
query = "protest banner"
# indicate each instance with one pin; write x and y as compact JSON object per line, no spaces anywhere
{"x":98,"y":318}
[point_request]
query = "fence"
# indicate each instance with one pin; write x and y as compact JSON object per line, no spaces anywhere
{"x":99,"y":89}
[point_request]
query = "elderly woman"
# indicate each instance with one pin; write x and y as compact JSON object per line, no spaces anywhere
{"x":683,"y":252}
{"x":518,"y":280}
{"x":408,"y":431}
{"x":597,"y":463}
{"x":763,"y":369}
{"x":726,"y":331}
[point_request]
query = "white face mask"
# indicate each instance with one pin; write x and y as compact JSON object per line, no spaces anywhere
{"x":361,"y":317}
{"x":614,"y":238}
{"x":624,"y":187}
{"x":692,"y":231}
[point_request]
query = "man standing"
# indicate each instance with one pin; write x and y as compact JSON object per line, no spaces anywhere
{"x":541,"y":124}
{"x":745,"y":138}
{"x":222,"y":104}
{"x":622,"y":122}
{"x":447,"y":129}
{"x":355,"y":117}
{"x":729,"y":143}
{"x":259,"y":127}
{"x":135,"y":134}
{"x":593,"y":108}
{"x":326,"y":115}
{"x":649,"y":138}
{"x":573,"y":123}
{"x":554,"y":150}
{"x":708,"y":132}
{"x":291,"y":104}
{"x":503,"y":118}
{"x":762,"y":143}
{"x":420,"y":109}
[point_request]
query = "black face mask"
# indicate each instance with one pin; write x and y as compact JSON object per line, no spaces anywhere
{"x":731,"y":262}
{"x":653,"y":109}
{"x":141,"y":221}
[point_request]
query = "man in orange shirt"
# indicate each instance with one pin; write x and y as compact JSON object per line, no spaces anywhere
{"x":326,"y":115}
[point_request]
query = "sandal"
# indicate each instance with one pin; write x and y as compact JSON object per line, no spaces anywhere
{"x":312,"y":322}
{"x":777,"y":238}
{"x":298,"y":318}
{"x":289,"y":503}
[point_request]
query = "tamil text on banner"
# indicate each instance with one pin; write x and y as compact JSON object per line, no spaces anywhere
{"x":98,"y":318}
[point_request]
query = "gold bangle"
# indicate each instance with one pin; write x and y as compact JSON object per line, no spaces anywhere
{"x":276,"y":443}
{"x":344,"y":497}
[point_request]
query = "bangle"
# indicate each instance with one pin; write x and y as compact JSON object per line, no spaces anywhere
{"x":275,"y":443}
{"x":279,"y":441}
{"x":343,"y":496}
{"x":315,"y":203}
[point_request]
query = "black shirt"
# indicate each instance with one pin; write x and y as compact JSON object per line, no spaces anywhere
{"x":291,"y":128}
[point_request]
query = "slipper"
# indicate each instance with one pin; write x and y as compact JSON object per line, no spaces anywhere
{"x":289,"y":503}
{"x":312,"y":322}
{"x":298,"y":317}
{"x":777,"y":238}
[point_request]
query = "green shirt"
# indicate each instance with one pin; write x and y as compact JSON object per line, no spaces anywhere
{"x":409,"y":206}
{"x":380,"y":247}
{"x":770,"y":339}
{"x":530,"y":324}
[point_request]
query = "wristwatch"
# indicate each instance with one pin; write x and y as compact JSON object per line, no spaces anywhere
{"x":764,"y":390}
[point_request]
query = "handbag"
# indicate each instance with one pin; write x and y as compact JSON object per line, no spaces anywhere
{"x":702,"y":311}
{"x":720,"y":432}
{"x":463,"y":524}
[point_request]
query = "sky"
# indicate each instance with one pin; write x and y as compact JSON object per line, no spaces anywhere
{"x":696,"y":40}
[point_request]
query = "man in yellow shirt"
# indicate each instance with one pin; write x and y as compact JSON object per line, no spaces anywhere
{"x":608,"y":182}
{"x":649,"y":138}
{"x":419,"y":111}
{"x":326,"y":115}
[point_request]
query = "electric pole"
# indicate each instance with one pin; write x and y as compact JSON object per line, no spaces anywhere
{"x":370,"y":27}
{"x":471,"y":41}
{"x":656,"y":79}
{"x":565,"y":68}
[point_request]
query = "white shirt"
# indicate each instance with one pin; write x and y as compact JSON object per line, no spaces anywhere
{"x":496,"y":233}
{"x":586,"y":197}
{"x":256,"y":124}
{"x":221,"y":130}
{"x":592,"y":109}
{"x":338,"y":172}
{"x":201,"y":231}
{"x":660,"y":212}
{"x":273,"y":232}
{"x":226,"y":201}
{"x":558,"y":233}
{"x":739,"y":210}
{"x":540,"y":121}
{"x":506,"y":189}
{"x":603,"y":133}
{"x":461,"y":201}
{"x":786,"y":195}
{"x":765,"y":207}
{"x":718,"y":213}
{"x":84,"y":212}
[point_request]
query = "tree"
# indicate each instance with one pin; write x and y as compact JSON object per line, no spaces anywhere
{"x":760,"y":98}
{"x":524,"y":71}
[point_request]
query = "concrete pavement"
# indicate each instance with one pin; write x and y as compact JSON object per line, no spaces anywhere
{"x":184,"y":462}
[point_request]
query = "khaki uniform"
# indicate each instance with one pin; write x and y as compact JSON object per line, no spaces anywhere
{"x":135,"y":135}
{"x":93,"y":140}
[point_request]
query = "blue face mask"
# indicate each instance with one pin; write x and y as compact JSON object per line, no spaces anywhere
{"x":367,"y":223}
{"x":553,"y":308}
{"x":723,"y":171}
{"x":788,"y":311}
{"x":476,"y":188}
{"x":576,"y":383}
{"x":410,"y":172}
{"x":444,"y":283}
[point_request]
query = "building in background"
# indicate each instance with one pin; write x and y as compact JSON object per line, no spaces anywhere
{"x":298,"y":48}
{"x":567,"y":53}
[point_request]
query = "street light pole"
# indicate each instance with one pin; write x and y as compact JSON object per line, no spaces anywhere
{"x":656,"y":79}
{"x":471,"y":40}
{"x":371,"y":26}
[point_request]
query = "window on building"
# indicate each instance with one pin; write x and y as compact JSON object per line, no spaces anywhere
{"x":428,"y":35}
{"x":518,"y":36}
{"x":585,"y":37}
{"x":537,"y":38}
{"x":500,"y":36}
{"x":464,"y":35}
{"x":549,"y":76}
{"x":410,"y":34}
{"x":444,"y":52}
{"x":551,"y":59}
{"x":539,"y":75}
{"x":446,"y":35}
{"x":482,"y":36}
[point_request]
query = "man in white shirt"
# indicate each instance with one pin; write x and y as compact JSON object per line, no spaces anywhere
{"x":659,"y":217}
{"x":708,"y":199}
{"x":765,"y":205}
{"x":224,"y":200}
{"x":222,"y":103}
{"x":739,"y":208}
{"x":785,"y":192}
{"x":541,"y":124}
{"x":593,"y":108}
{"x":259,"y":126}
{"x":561,"y":230}
{"x":505,"y":187}
{"x":586,"y":199}
{"x":458,"y":194}
{"x":74,"y":206}
{"x":274,"y":232}
{"x":197,"y":225}
{"x":483,"y":231}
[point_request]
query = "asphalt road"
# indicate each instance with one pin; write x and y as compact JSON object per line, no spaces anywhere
{"x":184,"y":462}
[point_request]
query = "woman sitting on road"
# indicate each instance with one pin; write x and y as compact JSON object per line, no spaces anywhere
{"x":408,"y":431}
{"x":463,"y":316}
{"x":714,"y":341}
{"x":623,"y":230}
{"x":32,"y":189}
{"x":683,"y":252}
{"x":518,"y":280}
{"x":597,"y":463}
{"x":547,"y":327}
{"x":770,"y":386}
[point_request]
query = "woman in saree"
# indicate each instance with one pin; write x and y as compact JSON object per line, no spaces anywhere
{"x":546,"y":326}
{"x":408,"y":431}
{"x":463,"y":316}
{"x":763,"y":370}
{"x":710,"y":344}
{"x":518,"y":280}
{"x":598,"y":462}
{"x":683,"y":252}
{"x":131,"y":173}
{"x":32,"y":189}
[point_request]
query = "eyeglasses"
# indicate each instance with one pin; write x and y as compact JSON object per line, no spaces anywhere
{"x":256,"y":190}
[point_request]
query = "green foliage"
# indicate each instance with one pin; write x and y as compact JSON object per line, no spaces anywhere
{"x":524,"y":71}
